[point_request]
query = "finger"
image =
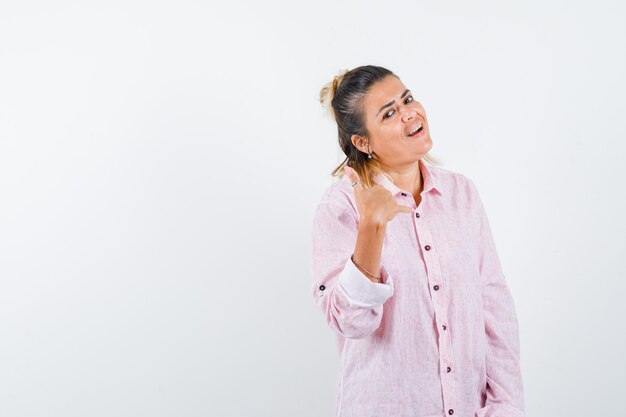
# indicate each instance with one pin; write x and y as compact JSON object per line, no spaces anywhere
{"x":354,"y":177}
{"x":404,"y":209}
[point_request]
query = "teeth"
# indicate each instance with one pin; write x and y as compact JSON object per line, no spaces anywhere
{"x":416,"y":129}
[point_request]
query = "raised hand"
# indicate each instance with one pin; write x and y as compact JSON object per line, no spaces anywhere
{"x":375,"y":204}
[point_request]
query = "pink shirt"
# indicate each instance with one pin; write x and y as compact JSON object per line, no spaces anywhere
{"x":439,"y":335}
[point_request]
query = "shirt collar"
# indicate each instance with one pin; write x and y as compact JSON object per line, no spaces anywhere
{"x":429,"y":176}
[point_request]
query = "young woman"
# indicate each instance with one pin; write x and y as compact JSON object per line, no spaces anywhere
{"x":405,"y":269}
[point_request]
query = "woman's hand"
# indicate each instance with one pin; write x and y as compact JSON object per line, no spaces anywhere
{"x":375,"y":204}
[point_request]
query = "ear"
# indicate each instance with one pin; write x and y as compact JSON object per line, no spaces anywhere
{"x":360,"y":142}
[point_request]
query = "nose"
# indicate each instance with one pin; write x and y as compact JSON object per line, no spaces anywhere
{"x":408,"y":115}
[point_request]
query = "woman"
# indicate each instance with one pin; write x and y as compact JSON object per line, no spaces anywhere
{"x":405,"y":269}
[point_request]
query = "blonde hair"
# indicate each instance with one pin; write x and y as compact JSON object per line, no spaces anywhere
{"x":343,"y":97}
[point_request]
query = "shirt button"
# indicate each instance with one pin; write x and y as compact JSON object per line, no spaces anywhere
{"x":322,"y":287}
{"x":448,"y":369}
{"x":417,"y":215}
{"x":436,"y":287}
{"x":444,"y":327}
{"x":450,"y":411}
{"x":403,"y":194}
{"x":427,"y":247}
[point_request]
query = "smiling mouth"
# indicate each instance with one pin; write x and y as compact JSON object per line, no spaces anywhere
{"x":417,"y":130}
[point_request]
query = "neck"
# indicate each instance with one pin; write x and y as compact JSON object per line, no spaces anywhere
{"x":408,"y":178}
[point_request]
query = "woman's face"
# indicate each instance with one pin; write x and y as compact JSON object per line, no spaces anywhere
{"x":392,"y":114}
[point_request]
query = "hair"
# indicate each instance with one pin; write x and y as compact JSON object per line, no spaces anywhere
{"x":344,"y":97}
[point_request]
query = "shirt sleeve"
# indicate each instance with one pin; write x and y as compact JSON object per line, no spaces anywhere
{"x":505,"y":392}
{"x":352,"y":304}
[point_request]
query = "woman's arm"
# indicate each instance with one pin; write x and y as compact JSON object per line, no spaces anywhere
{"x":369,"y":246}
{"x":351,"y":301}
{"x":505,"y":392}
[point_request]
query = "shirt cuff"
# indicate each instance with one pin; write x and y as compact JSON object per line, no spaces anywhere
{"x":360,"y":291}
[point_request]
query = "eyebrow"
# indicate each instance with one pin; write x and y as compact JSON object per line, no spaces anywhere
{"x":393,"y":101}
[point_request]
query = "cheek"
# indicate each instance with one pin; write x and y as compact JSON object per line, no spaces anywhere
{"x":389,"y":132}
{"x":397,"y":130}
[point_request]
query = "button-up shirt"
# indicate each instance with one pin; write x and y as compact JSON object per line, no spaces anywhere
{"x":438,"y":335}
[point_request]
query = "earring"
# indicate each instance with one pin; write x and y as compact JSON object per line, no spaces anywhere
{"x":369,"y":153}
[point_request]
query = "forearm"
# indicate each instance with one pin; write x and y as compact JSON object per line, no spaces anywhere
{"x":369,"y":245}
{"x":351,"y":301}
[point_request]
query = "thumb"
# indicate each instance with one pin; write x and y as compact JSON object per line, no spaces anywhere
{"x":354,"y":177}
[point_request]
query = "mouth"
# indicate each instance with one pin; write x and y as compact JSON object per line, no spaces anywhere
{"x":415,"y":130}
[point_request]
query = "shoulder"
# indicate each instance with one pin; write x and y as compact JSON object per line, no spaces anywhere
{"x":339,"y":195}
{"x":460,"y":189}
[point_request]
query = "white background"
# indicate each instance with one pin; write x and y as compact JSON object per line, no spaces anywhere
{"x":160,"y":163}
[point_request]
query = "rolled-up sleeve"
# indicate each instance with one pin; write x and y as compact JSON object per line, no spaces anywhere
{"x":351,"y":302}
{"x":505,"y":392}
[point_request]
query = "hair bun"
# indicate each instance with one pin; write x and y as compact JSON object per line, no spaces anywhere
{"x":337,"y":80}
{"x":328,"y":91}
{"x":335,"y":84}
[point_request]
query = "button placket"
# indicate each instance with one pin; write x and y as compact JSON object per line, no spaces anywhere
{"x":435,"y":281}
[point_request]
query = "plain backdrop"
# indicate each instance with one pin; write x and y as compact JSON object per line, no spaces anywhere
{"x":160,"y":163}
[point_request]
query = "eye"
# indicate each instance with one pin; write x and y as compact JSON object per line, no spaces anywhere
{"x":407,"y":100}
